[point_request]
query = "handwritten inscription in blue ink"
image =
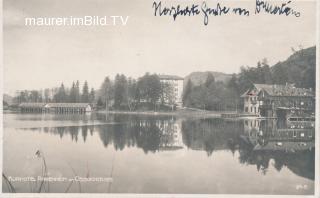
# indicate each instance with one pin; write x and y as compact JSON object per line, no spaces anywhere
{"x":219,"y":9}
{"x":284,"y":9}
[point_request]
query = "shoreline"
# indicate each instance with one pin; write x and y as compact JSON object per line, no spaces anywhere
{"x":183,"y":113}
{"x":178,"y":113}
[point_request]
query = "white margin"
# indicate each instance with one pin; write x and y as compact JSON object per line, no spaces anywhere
{"x":98,"y":195}
{"x":1,"y":91}
{"x":317,"y":129}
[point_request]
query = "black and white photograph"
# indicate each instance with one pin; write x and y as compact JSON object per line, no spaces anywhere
{"x":168,"y":98}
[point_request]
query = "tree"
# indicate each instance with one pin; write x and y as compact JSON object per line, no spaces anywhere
{"x":210,"y":79}
{"x":77,"y":92}
{"x":106,"y":92}
{"x":167,"y":94}
{"x":120,"y":90}
{"x":99,"y":102}
{"x":131,"y":94}
{"x":149,"y":88}
{"x":35,"y":96}
{"x":73,"y":97}
{"x":22,"y":97}
{"x":91,"y":96}
{"x":279,"y":75}
{"x":85,"y":93}
{"x":61,"y":95}
{"x":47,"y":95}
{"x":186,"y":92}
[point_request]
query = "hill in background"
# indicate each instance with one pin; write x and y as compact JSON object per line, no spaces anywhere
{"x":198,"y":78}
{"x":299,"y":68}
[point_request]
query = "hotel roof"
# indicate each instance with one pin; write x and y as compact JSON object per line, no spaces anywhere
{"x":279,"y":90}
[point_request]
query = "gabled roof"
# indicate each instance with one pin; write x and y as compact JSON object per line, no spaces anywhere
{"x":32,"y":104}
{"x":251,"y":92}
{"x":169,"y":77}
{"x":280,"y":90}
{"x":40,"y":105}
{"x":74,"y":105}
{"x":284,"y":90}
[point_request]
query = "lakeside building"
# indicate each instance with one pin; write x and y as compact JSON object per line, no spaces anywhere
{"x":273,"y":100}
{"x":274,"y":135}
{"x":32,"y":107}
{"x":55,"y":107}
{"x":176,"y":83}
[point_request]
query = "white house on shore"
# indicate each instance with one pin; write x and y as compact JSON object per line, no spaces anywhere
{"x":177,"y":83}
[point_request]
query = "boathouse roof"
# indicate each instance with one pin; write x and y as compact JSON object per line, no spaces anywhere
{"x":53,"y":105}
{"x":72,"y":105}
{"x":32,"y":104}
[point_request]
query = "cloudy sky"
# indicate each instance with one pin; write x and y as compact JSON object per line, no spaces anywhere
{"x":40,"y":57}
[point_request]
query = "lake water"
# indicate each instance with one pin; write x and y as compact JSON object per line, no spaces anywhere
{"x":157,"y":154}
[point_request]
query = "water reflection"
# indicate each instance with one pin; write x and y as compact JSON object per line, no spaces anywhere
{"x":287,"y":143}
{"x":259,"y":142}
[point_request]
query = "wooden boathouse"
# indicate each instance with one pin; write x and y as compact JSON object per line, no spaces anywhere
{"x":32,"y":107}
{"x":55,"y":107}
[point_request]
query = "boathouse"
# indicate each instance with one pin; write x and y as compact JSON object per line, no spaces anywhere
{"x":32,"y":107}
{"x":55,"y":107}
{"x":69,"y":107}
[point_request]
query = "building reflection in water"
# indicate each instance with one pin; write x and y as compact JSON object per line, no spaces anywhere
{"x":287,"y":143}
{"x":258,"y":142}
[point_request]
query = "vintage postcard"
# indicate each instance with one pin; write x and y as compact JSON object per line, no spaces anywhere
{"x":160,"y":98}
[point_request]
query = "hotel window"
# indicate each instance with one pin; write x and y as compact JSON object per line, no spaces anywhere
{"x":294,"y":133}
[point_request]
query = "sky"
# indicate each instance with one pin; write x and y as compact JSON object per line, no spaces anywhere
{"x":44,"y":57}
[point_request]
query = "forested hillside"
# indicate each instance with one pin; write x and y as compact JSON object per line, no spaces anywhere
{"x":299,"y":68}
{"x":214,"y":94}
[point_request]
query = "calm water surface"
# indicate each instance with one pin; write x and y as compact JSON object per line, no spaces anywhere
{"x":159,"y":154}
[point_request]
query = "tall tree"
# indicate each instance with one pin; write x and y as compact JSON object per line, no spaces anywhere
{"x":210,"y":79}
{"x":73,"y":97}
{"x":85,"y":93}
{"x":92,"y":96}
{"x":61,"y":95}
{"x":167,"y":94}
{"x":186,"y":92}
{"x":120,"y":90}
{"x":106,"y":92}
{"x":77,"y":92}
{"x":131,"y":94}
{"x":149,"y":88}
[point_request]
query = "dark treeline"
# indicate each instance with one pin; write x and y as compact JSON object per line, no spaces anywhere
{"x":299,"y":69}
{"x":126,"y":93}
{"x":63,"y":94}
